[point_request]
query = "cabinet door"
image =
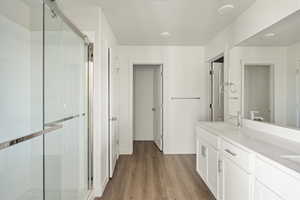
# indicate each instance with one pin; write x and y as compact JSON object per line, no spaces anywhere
{"x":212,"y":170}
{"x":261,"y":192}
{"x":202,"y":161}
{"x":236,"y":181}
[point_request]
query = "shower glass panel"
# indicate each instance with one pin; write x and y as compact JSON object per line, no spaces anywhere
{"x":44,"y":137}
{"x":21,"y":102}
{"x":66,"y":150}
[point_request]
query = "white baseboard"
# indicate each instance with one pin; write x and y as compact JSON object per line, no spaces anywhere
{"x":91,"y":195}
{"x":104,"y":184}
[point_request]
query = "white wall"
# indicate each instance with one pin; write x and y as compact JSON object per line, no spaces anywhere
{"x":184,"y":75}
{"x":108,"y":40}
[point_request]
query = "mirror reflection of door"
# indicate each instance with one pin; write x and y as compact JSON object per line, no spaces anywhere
{"x":217,"y":90}
{"x":258,"y":93}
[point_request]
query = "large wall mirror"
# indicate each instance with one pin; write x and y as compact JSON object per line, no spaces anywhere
{"x":264,"y":75}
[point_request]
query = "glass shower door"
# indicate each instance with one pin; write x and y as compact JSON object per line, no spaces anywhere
{"x":44,"y":135}
{"x":66,"y":103}
{"x":21,"y":102}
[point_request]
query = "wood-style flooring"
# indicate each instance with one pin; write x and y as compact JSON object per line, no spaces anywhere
{"x":150,"y":175}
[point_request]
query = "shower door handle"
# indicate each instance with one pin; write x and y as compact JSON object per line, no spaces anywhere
{"x":16,"y":141}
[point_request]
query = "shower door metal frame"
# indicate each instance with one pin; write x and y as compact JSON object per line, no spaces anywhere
{"x":89,"y":55}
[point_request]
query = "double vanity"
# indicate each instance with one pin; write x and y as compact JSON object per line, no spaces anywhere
{"x":247,"y":163}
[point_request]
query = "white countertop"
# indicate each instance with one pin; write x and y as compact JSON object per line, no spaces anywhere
{"x":264,"y":145}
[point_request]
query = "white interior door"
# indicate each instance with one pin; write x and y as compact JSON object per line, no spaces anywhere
{"x":114,"y":85}
{"x":143,"y":103}
{"x":217,"y":91}
{"x":158,"y":108}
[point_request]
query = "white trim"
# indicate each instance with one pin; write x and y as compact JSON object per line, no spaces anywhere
{"x":91,"y":195}
{"x":104,"y":184}
{"x":220,"y":55}
{"x":131,"y":106}
{"x":298,"y":93}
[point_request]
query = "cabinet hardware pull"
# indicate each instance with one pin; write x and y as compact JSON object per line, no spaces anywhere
{"x":230,"y":152}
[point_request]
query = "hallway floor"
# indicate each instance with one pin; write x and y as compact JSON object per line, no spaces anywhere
{"x":150,"y":175}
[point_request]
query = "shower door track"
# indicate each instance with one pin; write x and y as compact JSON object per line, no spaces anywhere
{"x":52,"y":5}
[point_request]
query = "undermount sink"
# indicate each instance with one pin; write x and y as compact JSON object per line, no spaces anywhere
{"x":294,"y":158}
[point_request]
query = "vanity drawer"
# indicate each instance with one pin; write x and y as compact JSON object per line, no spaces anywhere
{"x":210,"y":138}
{"x":238,"y":155}
{"x":281,"y":183}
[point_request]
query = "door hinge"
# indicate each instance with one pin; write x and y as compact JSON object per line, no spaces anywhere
{"x":211,"y":72}
{"x":219,"y":166}
{"x":91,"y":52}
{"x":161,"y":73}
{"x":203,"y":151}
{"x":210,"y":106}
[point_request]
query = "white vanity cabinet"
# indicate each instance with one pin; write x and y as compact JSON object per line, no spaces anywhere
{"x":237,"y":182}
{"x":262,"y":192}
{"x":237,"y":168}
{"x":223,"y":167}
{"x":280,"y":183}
{"x":201,"y":164}
{"x":208,"y":160}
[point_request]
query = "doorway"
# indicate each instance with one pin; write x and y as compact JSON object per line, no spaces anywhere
{"x":216,"y":74}
{"x":148,"y":104}
{"x":258,"y":92}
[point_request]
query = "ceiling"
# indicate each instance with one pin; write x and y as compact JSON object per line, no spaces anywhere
{"x":287,"y":32}
{"x":190,"y":22}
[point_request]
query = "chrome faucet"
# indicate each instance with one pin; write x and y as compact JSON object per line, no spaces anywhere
{"x":238,"y":119}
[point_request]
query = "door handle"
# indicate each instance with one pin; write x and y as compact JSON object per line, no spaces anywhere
{"x":219,"y":166}
{"x":113,"y":119}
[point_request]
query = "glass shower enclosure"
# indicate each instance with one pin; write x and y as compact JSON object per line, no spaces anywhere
{"x":45,"y":104}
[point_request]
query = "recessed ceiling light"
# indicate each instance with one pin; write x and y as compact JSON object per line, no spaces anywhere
{"x":225,"y":9}
{"x":165,"y":34}
{"x":270,"y":34}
